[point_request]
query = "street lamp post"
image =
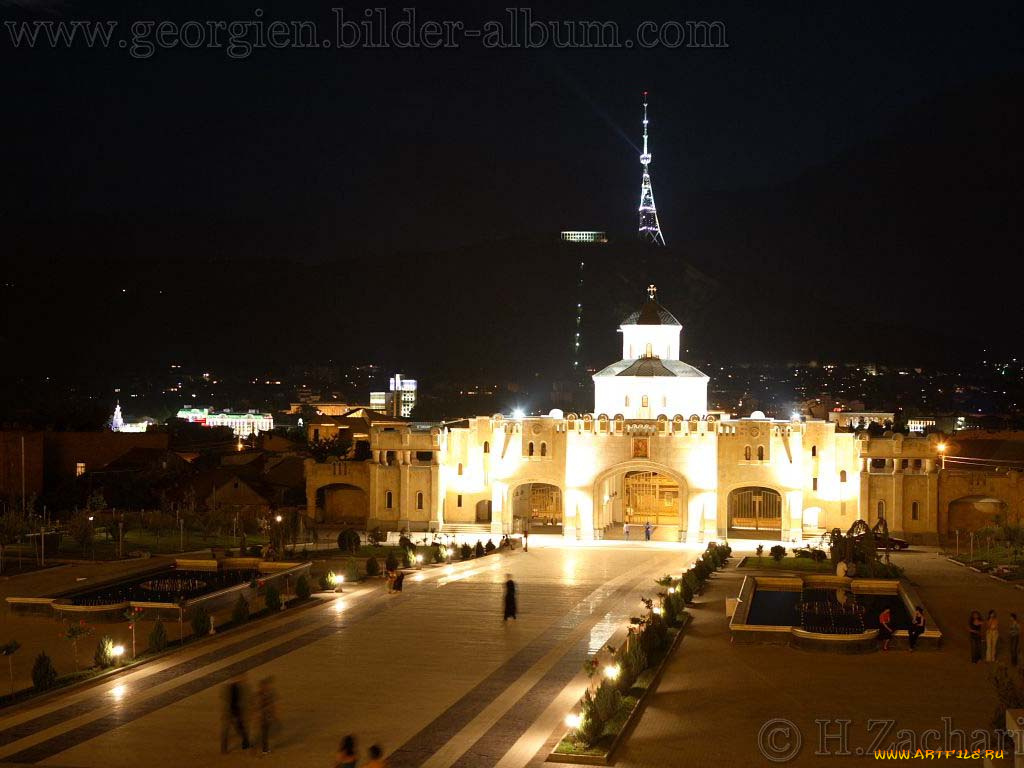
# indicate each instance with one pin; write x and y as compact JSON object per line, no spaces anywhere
{"x":942,"y":455}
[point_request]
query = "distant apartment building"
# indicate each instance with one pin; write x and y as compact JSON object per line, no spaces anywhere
{"x":583,"y":236}
{"x":860,"y":418}
{"x":398,"y":400}
{"x":242,"y":424}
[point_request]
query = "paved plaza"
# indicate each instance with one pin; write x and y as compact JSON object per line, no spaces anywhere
{"x":438,"y":679}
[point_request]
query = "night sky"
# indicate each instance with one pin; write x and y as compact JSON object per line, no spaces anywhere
{"x":339,"y":203}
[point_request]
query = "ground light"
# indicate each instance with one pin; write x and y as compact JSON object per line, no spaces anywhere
{"x":419,"y":561}
{"x":117,"y":652}
{"x":336,"y":579}
{"x":574,"y":720}
{"x":612,"y":671}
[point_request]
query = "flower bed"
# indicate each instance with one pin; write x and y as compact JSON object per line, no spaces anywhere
{"x":629,"y":673}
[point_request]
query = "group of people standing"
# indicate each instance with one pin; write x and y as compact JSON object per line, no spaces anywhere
{"x":984,"y":635}
{"x":648,"y":530}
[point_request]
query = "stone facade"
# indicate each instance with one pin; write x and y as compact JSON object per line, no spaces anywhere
{"x":694,"y":476}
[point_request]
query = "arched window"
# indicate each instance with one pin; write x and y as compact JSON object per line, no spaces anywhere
{"x":649,"y":351}
{"x":388,"y":499}
{"x":419,"y":500}
{"x":842,"y":476}
{"x":643,"y":402}
{"x":760,"y":453}
{"x":915,"y":510}
{"x":814,"y":450}
{"x":487,"y":446}
{"x":529,"y":449}
{"x":458,"y":500}
{"x":543,"y":449}
{"x":881,"y":509}
{"x":460,"y":467}
{"x":746,"y":453}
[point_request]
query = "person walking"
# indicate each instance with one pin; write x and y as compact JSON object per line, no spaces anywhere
{"x":235,"y":696}
{"x":1014,"y":639}
{"x":885,"y":627}
{"x":647,"y":530}
{"x":377,"y":758}
{"x":266,"y":701}
{"x":510,"y":598}
{"x":991,"y":636}
{"x":917,"y":627}
{"x":625,"y":531}
{"x":526,"y":540}
{"x":975,"y":626}
{"x":346,"y":757}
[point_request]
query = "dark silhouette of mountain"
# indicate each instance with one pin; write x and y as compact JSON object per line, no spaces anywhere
{"x":905,"y":249}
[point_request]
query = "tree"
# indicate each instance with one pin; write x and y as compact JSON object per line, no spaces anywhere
{"x":43,"y":673}
{"x":8,"y":650}
{"x":73,"y":633}
{"x":12,"y":526}
{"x":81,"y":530}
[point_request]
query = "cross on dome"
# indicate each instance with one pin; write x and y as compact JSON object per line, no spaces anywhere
{"x":651,"y":290}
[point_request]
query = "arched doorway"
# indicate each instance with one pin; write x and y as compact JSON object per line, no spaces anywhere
{"x":755,"y":511}
{"x":650,"y":497}
{"x":537,"y":507}
{"x":969,"y":513}
{"x":483,"y":511}
{"x":638,"y":492}
{"x":342,"y":503}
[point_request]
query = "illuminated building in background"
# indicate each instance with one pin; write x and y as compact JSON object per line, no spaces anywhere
{"x":650,"y":229}
{"x":398,"y":400}
{"x":242,"y":424}
{"x":650,"y":452}
{"x":584,"y":236}
{"x":118,"y":424}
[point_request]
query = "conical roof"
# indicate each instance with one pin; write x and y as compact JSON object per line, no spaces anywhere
{"x":651,"y":313}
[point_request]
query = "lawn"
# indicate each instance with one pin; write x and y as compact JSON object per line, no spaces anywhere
{"x":104,"y":548}
{"x":803,"y":564}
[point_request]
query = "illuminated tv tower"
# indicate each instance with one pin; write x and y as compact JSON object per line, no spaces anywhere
{"x":650,"y":230}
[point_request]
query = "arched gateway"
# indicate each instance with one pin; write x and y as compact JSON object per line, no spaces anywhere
{"x":640,"y":492}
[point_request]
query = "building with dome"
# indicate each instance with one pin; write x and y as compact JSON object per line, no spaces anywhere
{"x":650,"y":452}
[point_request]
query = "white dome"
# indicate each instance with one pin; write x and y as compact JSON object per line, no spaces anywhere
{"x":555,"y":413}
{"x":758,"y":415}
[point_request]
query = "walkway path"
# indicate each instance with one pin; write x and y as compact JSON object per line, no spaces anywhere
{"x":433,"y":674}
{"x":715,"y":696}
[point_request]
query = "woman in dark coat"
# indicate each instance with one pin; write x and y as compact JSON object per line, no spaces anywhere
{"x":510,"y":598}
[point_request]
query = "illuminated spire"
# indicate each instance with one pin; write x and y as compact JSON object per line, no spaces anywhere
{"x":650,"y":230}
{"x":117,"y":421}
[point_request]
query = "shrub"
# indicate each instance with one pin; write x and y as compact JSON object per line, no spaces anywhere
{"x":201,"y":622}
{"x":690,"y":585}
{"x":489,"y":547}
{"x":653,"y":636}
{"x":240,"y":613}
{"x":665,"y":581}
{"x":372,"y":567}
{"x":777,"y":552}
{"x":43,"y":673}
{"x":478,"y":550}
{"x":592,"y":727}
{"x":104,"y":655}
{"x":632,"y":661}
{"x":158,"y":637}
{"x":351,"y":570}
{"x":391,"y":562}
{"x":377,"y":536}
{"x":348,"y":541}
{"x":302,"y":588}
{"x":760,"y":550}
{"x":408,"y":556}
{"x":437,"y":553}
{"x":466,"y":551}
{"x":700,"y":571}
{"x":272,"y":598}
{"x":324,"y":580}
{"x":405,"y":542}
{"x":607,"y":700}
